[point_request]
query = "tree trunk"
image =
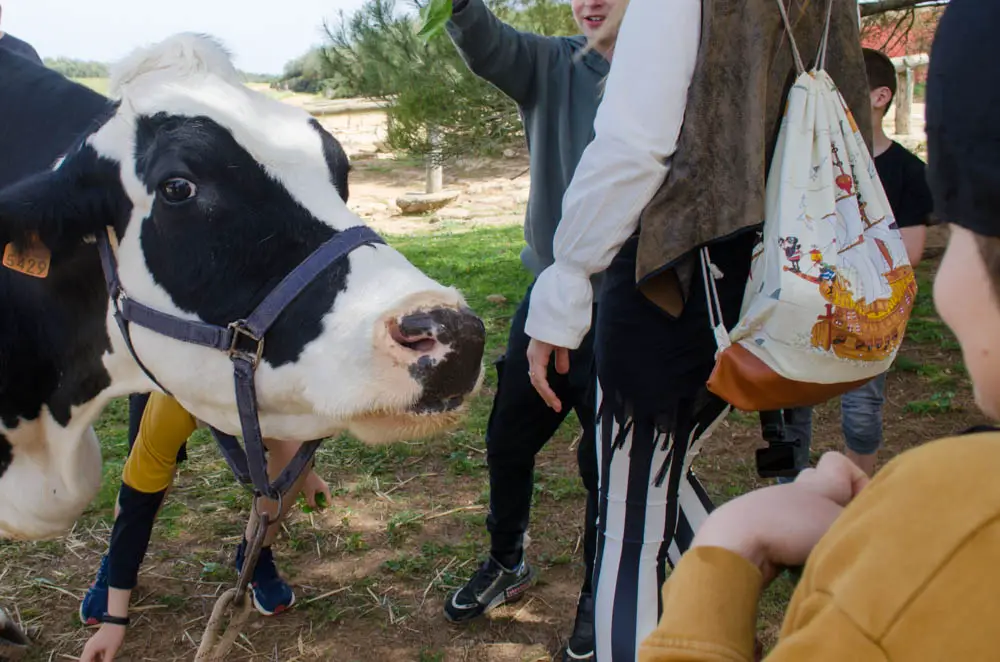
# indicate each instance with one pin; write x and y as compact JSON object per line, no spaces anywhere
{"x":435,"y":172}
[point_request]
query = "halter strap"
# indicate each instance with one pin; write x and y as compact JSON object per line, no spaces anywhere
{"x":243,"y":340}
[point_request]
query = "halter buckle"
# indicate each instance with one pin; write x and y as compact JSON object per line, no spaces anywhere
{"x":240,"y":330}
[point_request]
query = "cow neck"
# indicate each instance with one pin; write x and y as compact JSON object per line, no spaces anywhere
{"x":243,"y":341}
{"x":55,"y":343}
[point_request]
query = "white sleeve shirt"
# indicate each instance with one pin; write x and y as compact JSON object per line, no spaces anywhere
{"x":636,"y":131}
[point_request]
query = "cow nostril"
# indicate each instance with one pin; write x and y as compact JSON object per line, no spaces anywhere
{"x":414,"y":337}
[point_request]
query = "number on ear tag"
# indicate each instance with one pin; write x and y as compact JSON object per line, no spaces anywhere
{"x":34,"y":261}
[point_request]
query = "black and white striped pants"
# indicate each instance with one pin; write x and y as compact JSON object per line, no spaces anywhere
{"x":654,"y":413}
{"x":651,"y":504}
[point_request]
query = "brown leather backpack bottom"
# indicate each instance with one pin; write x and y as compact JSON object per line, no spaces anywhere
{"x":747,"y":383}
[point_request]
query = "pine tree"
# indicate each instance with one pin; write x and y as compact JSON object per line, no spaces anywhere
{"x":436,"y":107}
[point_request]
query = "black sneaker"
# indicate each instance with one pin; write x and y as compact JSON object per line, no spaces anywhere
{"x":491,"y":586}
{"x":581,"y":642}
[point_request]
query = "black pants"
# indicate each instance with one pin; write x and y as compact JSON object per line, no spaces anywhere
{"x":520,"y":425}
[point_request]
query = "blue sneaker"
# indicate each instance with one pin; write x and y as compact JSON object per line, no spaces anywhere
{"x":271,"y":594}
{"x":95,"y":602}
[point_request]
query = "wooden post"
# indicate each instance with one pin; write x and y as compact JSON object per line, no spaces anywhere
{"x":904,"y":99}
{"x":435,"y":178}
{"x":435,"y":173}
{"x":904,"y":88}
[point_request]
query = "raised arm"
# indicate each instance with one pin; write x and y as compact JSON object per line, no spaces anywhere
{"x":636,"y":131}
{"x":494,"y":50}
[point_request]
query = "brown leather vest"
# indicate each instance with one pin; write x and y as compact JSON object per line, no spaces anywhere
{"x":715,"y":187}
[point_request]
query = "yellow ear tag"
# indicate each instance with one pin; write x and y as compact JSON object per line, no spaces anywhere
{"x":34,"y":261}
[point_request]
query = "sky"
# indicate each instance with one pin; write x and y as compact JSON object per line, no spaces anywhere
{"x":262,"y":34}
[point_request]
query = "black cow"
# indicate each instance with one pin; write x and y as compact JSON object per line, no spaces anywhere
{"x":212,"y":193}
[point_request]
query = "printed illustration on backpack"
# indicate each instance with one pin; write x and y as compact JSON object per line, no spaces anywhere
{"x":869,"y":291}
{"x":793,"y":252}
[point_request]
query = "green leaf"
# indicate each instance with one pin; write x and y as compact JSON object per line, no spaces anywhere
{"x":306,"y":508}
{"x":435,"y":15}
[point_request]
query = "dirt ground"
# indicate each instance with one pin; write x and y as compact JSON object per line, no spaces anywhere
{"x":371,"y":572}
{"x":491,"y":192}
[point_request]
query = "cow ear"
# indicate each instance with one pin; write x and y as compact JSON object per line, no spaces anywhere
{"x":62,"y":206}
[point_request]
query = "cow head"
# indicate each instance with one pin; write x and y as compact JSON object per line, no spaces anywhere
{"x":215,"y":192}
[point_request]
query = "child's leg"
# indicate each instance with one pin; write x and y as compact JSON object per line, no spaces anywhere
{"x":160,"y":433}
{"x":271,"y":594}
{"x":798,"y":428}
{"x":279,"y":454}
{"x":861,"y":420}
{"x":148,"y":473}
{"x":137,"y":403}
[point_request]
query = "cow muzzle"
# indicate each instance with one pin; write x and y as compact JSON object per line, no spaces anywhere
{"x":442,"y":348}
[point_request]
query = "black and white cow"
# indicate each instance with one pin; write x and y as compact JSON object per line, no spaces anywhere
{"x":214,"y":193}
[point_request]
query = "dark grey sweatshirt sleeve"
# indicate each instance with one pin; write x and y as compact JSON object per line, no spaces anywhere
{"x":19,"y":47}
{"x":494,"y":50}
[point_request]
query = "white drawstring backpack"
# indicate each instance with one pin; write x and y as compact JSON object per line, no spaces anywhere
{"x":830,"y":288}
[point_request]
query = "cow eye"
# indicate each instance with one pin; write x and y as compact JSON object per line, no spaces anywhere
{"x":178,"y":189}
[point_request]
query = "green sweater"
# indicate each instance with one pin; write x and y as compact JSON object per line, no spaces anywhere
{"x":557,"y":95}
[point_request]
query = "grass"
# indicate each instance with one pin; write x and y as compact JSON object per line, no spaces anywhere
{"x":925,"y":327}
{"x":939,"y":403}
{"x":559,"y":486}
{"x":407,"y":520}
{"x":481,"y":263}
{"x":99,"y":85}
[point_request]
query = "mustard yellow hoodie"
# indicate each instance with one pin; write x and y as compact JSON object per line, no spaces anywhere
{"x":910,"y":571}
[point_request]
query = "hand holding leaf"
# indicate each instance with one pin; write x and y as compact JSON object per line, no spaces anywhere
{"x":435,"y":15}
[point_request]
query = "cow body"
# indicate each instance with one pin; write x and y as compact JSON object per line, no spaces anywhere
{"x":213,"y":194}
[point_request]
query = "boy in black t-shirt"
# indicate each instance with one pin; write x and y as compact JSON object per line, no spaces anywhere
{"x":901,"y":172}
{"x":905,"y":184}
{"x":902,"y":176}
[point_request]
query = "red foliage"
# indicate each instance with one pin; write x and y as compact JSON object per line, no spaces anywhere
{"x":901,"y":33}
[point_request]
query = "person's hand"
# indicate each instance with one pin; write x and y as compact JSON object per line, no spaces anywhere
{"x":104,"y":645}
{"x":779,"y":526}
{"x":315,"y":491}
{"x":539,"y":354}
